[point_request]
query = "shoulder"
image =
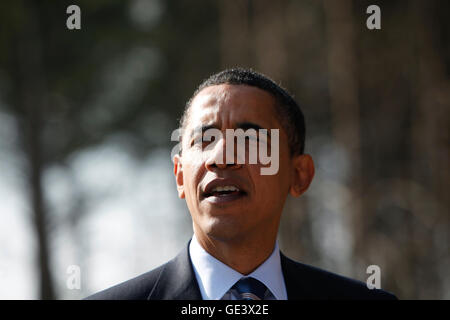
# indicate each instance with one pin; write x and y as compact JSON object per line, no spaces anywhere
{"x":308,"y":282}
{"x":138,"y":288}
{"x":173,"y":280}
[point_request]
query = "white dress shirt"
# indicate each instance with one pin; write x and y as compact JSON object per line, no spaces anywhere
{"x":215,"y":278}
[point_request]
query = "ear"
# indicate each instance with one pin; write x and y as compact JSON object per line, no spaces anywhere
{"x":178,"y":172}
{"x":303,"y":173}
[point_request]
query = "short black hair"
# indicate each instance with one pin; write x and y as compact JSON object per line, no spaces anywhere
{"x":289,"y":113}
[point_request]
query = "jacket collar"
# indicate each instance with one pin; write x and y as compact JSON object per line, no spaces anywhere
{"x":300,"y":280}
{"x":177,"y":280}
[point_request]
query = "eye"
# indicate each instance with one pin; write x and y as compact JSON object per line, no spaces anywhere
{"x":195,"y":141}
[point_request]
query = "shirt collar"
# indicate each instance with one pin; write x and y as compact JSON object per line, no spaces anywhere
{"x":271,"y":274}
{"x":216,"y":278}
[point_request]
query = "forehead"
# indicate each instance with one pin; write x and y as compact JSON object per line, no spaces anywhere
{"x":226,"y":105}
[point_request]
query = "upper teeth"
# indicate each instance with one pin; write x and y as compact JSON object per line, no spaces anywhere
{"x":225,"y":188}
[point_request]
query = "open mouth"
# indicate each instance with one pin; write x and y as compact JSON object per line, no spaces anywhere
{"x":224,"y":193}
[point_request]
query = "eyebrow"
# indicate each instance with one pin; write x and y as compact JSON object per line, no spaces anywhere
{"x":249,"y":125}
{"x":203,"y":128}
{"x":241,"y":125}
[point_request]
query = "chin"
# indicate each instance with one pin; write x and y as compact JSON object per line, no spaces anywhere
{"x":222,"y":228}
{"x":235,"y":208}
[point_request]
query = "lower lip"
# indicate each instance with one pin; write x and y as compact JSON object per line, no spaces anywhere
{"x":226,"y":198}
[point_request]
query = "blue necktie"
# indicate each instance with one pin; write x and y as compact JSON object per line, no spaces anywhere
{"x":250,"y":289}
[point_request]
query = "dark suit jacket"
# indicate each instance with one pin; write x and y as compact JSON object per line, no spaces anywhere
{"x":176,"y":280}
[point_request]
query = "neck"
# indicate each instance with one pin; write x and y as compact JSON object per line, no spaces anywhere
{"x":243,"y":254}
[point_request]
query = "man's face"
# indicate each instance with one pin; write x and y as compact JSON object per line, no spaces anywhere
{"x":257,"y":206}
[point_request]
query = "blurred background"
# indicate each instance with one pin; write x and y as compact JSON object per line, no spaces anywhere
{"x":86,"y":118}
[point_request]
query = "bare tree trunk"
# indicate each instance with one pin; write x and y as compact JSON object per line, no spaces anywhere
{"x":269,"y":43}
{"x":234,"y":32}
{"x":345,"y":115}
{"x":430,"y":138}
{"x":31,"y":102}
{"x":32,"y":135}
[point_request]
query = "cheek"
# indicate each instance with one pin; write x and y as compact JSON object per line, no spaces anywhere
{"x":271,"y":189}
{"x":192,"y":178}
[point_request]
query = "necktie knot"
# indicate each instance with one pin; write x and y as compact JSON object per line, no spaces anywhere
{"x":250,"y":289}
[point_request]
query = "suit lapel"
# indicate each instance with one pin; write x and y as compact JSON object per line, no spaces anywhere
{"x":177,"y":280}
{"x":295,"y":279}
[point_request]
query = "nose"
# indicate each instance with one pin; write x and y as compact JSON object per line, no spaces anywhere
{"x":217,"y":157}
